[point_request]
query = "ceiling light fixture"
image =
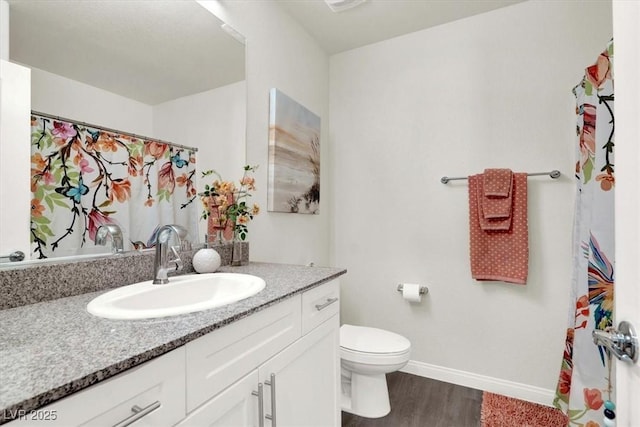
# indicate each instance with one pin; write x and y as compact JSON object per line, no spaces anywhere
{"x":340,"y":5}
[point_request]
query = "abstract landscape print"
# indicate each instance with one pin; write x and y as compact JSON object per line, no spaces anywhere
{"x":83,"y":177}
{"x":294,"y":156}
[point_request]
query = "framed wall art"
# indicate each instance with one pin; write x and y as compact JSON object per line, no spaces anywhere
{"x":294,"y":156}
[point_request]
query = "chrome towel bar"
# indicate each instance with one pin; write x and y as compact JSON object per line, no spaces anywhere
{"x":14,"y":256}
{"x":553,"y":174}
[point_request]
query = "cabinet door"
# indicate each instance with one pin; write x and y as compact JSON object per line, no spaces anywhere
{"x":234,"y":407}
{"x":151,"y":394}
{"x":306,"y":376}
{"x":222,"y":357}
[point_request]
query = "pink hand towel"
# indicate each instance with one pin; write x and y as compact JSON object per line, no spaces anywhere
{"x":501,"y":255}
{"x":495,"y":189}
{"x":497,"y":182}
{"x":493,"y":222}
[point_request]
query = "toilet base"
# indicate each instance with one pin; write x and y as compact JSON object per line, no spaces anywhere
{"x":365,"y":395}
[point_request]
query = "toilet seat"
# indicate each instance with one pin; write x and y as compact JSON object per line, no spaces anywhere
{"x":380,"y":359}
{"x":361,"y":339}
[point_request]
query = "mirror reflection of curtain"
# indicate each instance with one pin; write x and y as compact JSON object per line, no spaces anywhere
{"x":586,"y":389}
{"x":83,"y":177}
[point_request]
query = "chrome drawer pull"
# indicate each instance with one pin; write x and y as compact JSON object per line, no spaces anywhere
{"x":138,"y":413}
{"x":272,"y":384}
{"x":326,"y":304}
{"x":260,"y":395}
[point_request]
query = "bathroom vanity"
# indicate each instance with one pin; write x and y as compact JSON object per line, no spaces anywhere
{"x":269,"y":360}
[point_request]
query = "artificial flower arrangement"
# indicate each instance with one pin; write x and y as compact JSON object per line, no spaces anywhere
{"x":225,"y":206}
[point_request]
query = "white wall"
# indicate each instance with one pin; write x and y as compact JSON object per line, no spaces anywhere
{"x":281,"y":54}
{"x":214,"y":121}
{"x":60,"y":96}
{"x":488,"y":91}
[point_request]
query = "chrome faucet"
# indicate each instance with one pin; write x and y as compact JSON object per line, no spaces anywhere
{"x":162,"y":263}
{"x":115,"y":232}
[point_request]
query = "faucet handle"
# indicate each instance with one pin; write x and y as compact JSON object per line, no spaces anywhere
{"x":177,"y":260}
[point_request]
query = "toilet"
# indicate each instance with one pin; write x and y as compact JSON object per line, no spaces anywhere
{"x":366,"y":356}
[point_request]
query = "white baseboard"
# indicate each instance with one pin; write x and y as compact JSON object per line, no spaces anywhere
{"x":521,"y":391}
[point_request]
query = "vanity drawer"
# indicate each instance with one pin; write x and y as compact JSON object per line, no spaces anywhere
{"x":157,"y":388}
{"x":319,"y":304}
{"x":218,"y":359}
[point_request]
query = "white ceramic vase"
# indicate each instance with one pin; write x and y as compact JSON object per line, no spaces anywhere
{"x":206,"y":260}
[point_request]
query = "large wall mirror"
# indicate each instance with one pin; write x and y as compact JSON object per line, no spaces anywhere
{"x":165,"y":70}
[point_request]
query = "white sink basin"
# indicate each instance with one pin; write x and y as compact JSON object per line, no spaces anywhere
{"x":183,"y":294}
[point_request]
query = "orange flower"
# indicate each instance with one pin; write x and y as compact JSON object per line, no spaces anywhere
{"x":191,"y":190}
{"x":222,"y":202}
{"x":182,"y":180}
{"x":149,"y":202}
{"x":600,"y":71}
{"x":249,"y":182}
{"x":36,"y":208}
{"x":582,"y":305}
{"x":121,"y":189}
{"x":591,"y":424}
{"x":224,"y":187}
{"x":155,"y":149}
{"x":588,"y":136}
{"x":243,"y":219}
{"x":133,"y":165}
{"x":255,"y":210}
{"x":606,"y":181}
{"x":166,"y":180}
{"x":593,"y":398}
{"x":39,"y":162}
{"x":564,"y":384}
{"x":106,"y":142}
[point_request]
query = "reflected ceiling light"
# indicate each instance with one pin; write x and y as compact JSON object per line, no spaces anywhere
{"x":340,"y":5}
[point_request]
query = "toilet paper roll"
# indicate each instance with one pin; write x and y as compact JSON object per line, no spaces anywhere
{"x":411,"y":292}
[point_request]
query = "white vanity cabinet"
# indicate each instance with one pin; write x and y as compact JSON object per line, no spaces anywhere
{"x":233,"y":374}
{"x":277,"y":367}
{"x":151,"y":394}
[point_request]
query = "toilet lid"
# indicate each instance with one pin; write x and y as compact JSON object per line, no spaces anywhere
{"x":372,"y":340}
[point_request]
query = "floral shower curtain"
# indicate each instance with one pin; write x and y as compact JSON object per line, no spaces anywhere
{"x":586,"y":384}
{"x":83,"y":177}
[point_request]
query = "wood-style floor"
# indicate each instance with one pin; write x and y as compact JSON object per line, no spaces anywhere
{"x":423,"y":402}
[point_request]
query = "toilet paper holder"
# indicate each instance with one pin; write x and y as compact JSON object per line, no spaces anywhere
{"x":423,"y":289}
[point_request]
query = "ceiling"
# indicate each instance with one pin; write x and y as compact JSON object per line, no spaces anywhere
{"x":150,"y":51}
{"x":143,"y":50}
{"x":377,"y":20}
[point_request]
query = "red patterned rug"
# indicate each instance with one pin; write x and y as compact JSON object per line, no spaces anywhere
{"x":503,"y":411}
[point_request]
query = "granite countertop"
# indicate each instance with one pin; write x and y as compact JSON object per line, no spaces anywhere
{"x":51,"y":349}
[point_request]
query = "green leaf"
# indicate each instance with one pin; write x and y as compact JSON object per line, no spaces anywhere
{"x":46,"y":230}
{"x":588,"y":88}
{"x":104,"y":204}
{"x":40,"y":220}
{"x":39,"y":194}
{"x":49,"y":201}
{"x":60,"y":202}
{"x":574,"y":412}
{"x":587,"y":168}
{"x":55,"y":195}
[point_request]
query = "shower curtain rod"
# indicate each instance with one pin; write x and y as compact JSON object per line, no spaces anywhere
{"x":77,"y":122}
{"x":553,"y":174}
